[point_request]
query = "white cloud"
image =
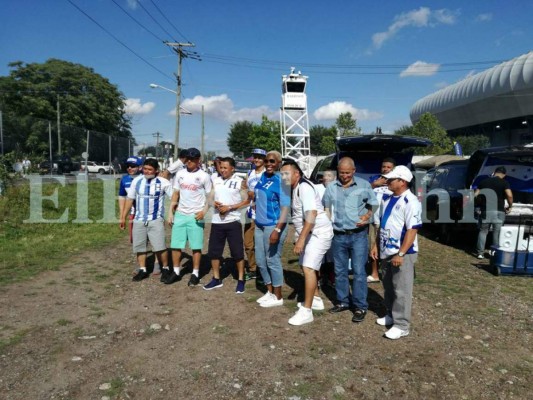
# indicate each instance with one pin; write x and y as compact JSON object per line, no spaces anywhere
{"x":134,"y":106}
{"x":221,"y":107}
{"x":423,"y":17}
{"x":420,"y":68}
{"x":486,"y":17}
{"x":332,"y":110}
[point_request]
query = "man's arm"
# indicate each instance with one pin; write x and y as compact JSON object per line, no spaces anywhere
{"x":173,"y":206}
{"x":509,"y":195}
{"x":408,"y":241}
{"x":128,"y":203}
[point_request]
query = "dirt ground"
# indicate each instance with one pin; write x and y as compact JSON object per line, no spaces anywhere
{"x":88,"y":332}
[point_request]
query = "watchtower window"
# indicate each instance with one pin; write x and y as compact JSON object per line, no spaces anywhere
{"x":296,"y":87}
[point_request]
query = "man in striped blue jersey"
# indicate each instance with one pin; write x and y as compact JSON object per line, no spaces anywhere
{"x":148,"y":191}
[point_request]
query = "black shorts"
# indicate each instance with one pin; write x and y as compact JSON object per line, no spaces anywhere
{"x":232,"y":232}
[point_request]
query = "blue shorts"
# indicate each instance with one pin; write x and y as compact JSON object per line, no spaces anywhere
{"x":186,"y":227}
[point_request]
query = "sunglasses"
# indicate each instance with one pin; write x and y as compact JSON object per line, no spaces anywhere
{"x":270,"y":161}
{"x":132,"y":166}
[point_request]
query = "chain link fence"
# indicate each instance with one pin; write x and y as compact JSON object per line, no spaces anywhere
{"x":41,"y":142}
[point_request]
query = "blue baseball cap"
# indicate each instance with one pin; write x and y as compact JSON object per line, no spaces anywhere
{"x":193,"y":153}
{"x":261,"y":152}
{"x":133,"y":160}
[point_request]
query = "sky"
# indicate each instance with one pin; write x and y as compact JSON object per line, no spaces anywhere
{"x":374,"y":59}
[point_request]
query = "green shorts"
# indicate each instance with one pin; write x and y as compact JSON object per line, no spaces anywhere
{"x":187,"y":228}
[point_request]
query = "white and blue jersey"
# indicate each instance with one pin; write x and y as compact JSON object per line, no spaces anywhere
{"x":270,"y":196}
{"x":149,"y":196}
{"x":397,"y":215}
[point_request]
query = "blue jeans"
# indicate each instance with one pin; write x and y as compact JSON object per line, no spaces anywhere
{"x":354,"y":246}
{"x":267,"y":256}
{"x":496,"y":219}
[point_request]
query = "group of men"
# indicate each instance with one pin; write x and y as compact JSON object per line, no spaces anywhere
{"x":334,"y":221}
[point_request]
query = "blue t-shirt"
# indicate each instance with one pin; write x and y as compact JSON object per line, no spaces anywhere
{"x":125,"y":184}
{"x":270,"y":196}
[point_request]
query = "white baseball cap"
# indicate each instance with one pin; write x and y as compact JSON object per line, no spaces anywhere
{"x":400,"y":172}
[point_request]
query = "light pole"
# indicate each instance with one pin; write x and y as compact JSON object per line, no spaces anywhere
{"x":181,"y":111}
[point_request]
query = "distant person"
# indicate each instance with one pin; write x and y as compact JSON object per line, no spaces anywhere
{"x":272,"y":206}
{"x":249,"y":227}
{"x":228,"y":198}
{"x":350,"y":200}
{"x":176,"y":166}
{"x":400,"y":216}
{"x":26,"y":165}
{"x":312,"y":238}
{"x":116,"y":166}
{"x":188,"y":208}
{"x":327,"y":273}
{"x":492,"y":210}
{"x":147,"y":191}
{"x":133,"y":165}
{"x":380,"y":187}
{"x":216,"y":168}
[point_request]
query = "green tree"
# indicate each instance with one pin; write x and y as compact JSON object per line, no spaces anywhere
{"x":428,"y":127}
{"x":318,"y":135}
{"x":404,"y":130}
{"x":267,"y":135}
{"x":240,"y":137}
{"x":32,"y":92}
{"x":347,"y":125}
{"x":471,"y":143}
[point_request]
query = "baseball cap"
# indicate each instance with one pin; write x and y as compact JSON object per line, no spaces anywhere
{"x":193,"y":152}
{"x":259,"y":151}
{"x":183,"y":153}
{"x":400,"y":172}
{"x":133,"y":160}
{"x":500,"y":170}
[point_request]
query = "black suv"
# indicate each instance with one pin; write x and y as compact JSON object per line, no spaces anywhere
{"x":368,"y":152}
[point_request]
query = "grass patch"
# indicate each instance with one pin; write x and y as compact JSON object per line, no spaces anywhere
{"x":13,"y":340}
{"x":30,"y":248}
{"x":63,"y":322}
{"x":220,"y":329}
{"x":117,"y":384}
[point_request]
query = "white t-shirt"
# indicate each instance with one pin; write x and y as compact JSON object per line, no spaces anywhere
{"x":306,"y":198}
{"x":227,"y":192}
{"x":193,"y":188}
{"x":380,"y":191}
{"x":397,"y":215}
{"x":175,"y":167}
{"x":251,"y":182}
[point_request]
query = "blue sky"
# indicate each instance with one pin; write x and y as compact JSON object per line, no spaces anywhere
{"x":372,"y":58}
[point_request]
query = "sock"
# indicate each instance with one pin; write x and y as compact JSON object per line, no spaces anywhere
{"x":142,"y":269}
{"x":177,"y":270}
{"x":196,"y":272}
{"x":166,"y":267}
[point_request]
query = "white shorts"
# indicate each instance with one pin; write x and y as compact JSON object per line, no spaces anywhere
{"x":315,"y":249}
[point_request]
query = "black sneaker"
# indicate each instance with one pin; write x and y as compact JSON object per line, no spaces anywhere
{"x":359,"y":315}
{"x":193,"y":281}
{"x":141,"y":274}
{"x":338,"y":308}
{"x":250,"y":275}
{"x":165,"y":273}
{"x":172,"y":278}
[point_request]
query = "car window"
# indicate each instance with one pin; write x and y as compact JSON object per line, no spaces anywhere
{"x":323,"y":165}
{"x":455,"y":179}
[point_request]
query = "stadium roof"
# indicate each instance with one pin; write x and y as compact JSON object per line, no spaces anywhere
{"x":499,"y":93}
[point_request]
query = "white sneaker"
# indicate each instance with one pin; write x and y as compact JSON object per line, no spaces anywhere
{"x":302,"y":316}
{"x":264,"y":297}
{"x":396,"y":333}
{"x":272,"y":302}
{"x":318,"y":304}
{"x":386,"y":320}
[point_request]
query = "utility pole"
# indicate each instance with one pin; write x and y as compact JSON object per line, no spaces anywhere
{"x":58,"y":128}
{"x":157,"y":135}
{"x":203,"y":135}
{"x":182,"y":53}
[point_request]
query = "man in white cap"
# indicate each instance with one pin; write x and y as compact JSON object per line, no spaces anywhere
{"x":249,"y":227}
{"x":400,"y":217}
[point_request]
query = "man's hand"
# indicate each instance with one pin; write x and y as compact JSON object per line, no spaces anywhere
{"x":396,"y":261}
{"x":381,"y":181}
{"x":122,"y":223}
{"x":374,"y":252}
{"x":199,"y":215}
{"x":170,"y":218}
{"x":274,"y":237}
{"x":299,"y":246}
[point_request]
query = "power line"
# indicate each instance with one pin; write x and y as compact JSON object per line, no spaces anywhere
{"x":119,"y":41}
{"x":153,"y":19}
{"x":136,"y":21}
{"x":171,"y":24}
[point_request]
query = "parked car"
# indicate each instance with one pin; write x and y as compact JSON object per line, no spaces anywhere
{"x":59,"y":165}
{"x":242,"y":168}
{"x":97,"y":167}
{"x":368,"y":152}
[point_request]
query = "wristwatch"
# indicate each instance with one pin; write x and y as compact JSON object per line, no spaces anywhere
{"x":277,"y":230}
{"x":401,"y":254}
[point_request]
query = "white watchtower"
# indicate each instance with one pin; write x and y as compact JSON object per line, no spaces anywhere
{"x":294,"y":120}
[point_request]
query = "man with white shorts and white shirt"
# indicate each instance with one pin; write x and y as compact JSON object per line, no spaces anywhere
{"x":313,"y":236}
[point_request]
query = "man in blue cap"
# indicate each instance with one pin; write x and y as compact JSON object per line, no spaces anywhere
{"x":132,"y":167}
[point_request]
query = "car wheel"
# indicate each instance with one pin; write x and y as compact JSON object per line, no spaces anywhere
{"x":101,"y":171}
